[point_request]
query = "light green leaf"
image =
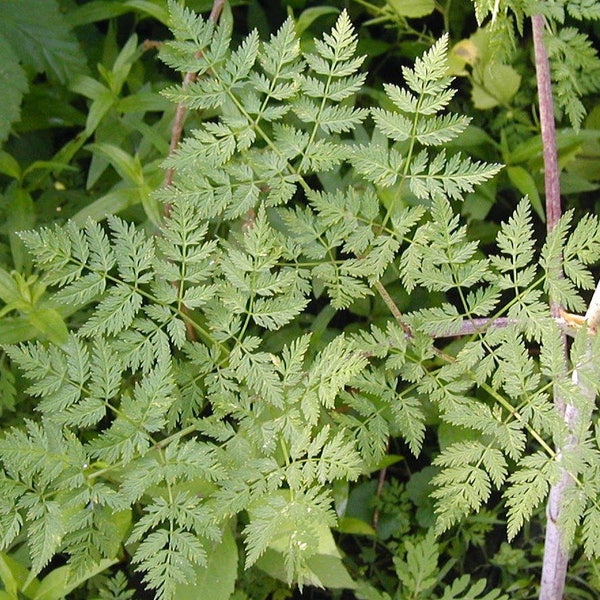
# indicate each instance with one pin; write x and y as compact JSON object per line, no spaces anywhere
{"x":215,"y":580}
{"x":323,"y":567}
{"x":50,"y":323}
{"x":412,"y":9}
{"x":88,"y":87}
{"x":8,"y":165}
{"x":13,"y":575}
{"x":14,"y":330}
{"x":355,"y":526}
{"x":45,"y":535}
{"x":9,"y":290}
{"x":524,"y":182}
{"x":126,"y":165}
{"x":142,"y":102}
{"x":21,"y":216}
{"x":101,"y":10}
{"x":109,"y":204}
{"x":97,"y":111}
{"x":530,"y":485}
{"x":309,"y":15}
{"x":151,"y":8}
{"x":497,"y":86}
{"x":60,"y":581}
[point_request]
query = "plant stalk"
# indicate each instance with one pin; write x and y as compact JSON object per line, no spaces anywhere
{"x":546,"y":107}
{"x":556,"y":555}
{"x":181,"y":110}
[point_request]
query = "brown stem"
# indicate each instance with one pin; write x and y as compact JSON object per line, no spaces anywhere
{"x":556,"y":556}
{"x":180,"y":112}
{"x":152,"y":45}
{"x":217,"y":9}
{"x":549,"y":148}
{"x":380,"y":484}
{"x":480,"y":325}
{"x":176,"y":133}
{"x":546,"y":104}
{"x":393,"y":308}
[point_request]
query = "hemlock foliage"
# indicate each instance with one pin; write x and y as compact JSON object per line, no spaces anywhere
{"x":192,"y":401}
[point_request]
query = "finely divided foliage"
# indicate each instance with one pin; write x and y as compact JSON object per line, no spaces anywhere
{"x":174,"y":405}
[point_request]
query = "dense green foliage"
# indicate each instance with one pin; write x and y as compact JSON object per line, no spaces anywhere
{"x":323,"y":355}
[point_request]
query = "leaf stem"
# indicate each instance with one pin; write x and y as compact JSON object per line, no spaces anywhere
{"x":389,"y":302}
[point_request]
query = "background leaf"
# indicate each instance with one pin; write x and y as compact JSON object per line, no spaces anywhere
{"x":41,"y":38}
{"x":215,"y":580}
{"x":13,"y":83}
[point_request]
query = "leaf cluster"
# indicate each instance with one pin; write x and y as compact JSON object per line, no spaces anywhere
{"x":193,"y":397}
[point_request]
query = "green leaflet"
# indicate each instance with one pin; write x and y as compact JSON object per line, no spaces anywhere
{"x":417,"y":120}
{"x":418,"y":573}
